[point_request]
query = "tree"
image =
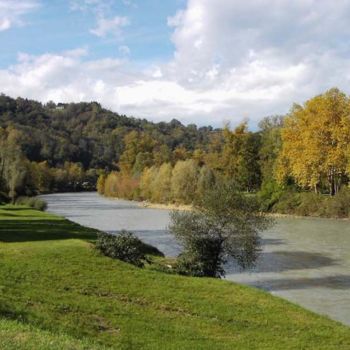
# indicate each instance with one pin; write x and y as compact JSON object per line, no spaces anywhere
{"x":13,"y":164}
{"x":270,"y":145}
{"x":184,"y":181}
{"x":147,"y":182}
{"x":315,"y":138}
{"x":206,"y":181}
{"x":239,"y":157}
{"x":162,"y":184}
{"x":225,"y":224}
{"x":101,"y":181}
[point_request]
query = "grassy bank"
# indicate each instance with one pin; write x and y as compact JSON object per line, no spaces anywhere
{"x":57,"y":292}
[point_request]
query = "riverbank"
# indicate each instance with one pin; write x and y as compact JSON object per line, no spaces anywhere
{"x":150,"y":205}
{"x":171,"y":206}
{"x":55,"y":285}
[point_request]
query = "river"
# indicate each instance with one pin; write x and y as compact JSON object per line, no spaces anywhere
{"x":306,"y":261}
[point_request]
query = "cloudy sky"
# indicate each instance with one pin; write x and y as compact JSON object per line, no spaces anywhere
{"x":200,"y":61}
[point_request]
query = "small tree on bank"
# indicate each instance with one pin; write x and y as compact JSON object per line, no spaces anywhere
{"x":225,"y":224}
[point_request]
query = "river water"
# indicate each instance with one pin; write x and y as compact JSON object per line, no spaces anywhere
{"x":306,"y":261}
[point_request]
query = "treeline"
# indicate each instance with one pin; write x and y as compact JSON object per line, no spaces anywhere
{"x":295,"y":164}
{"x":64,"y":147}
{"x":19,"y":176}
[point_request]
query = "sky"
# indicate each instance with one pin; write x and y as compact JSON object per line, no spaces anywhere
{"x":199,"y":61}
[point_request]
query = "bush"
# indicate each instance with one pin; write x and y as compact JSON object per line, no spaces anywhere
{"x":32,"y":202}
{"x":288,"y":203}
{"x":269,"y":194}
{"x":125,"y":246}
{"x":339,"y":205}
{"x":311,"y":204}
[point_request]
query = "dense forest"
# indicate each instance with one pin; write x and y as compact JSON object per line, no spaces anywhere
{"x":64,"y":147}
{"x":298,"y":163}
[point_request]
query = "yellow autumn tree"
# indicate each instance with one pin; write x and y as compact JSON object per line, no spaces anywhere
{"x":315,"y":139}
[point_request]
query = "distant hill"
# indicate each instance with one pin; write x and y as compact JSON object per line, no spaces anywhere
{"x":86,"y":132}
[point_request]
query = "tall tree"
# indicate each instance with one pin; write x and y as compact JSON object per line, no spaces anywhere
{"x":315,"y":138}
{"x":240,"y":157}
{"x":184,"y":181}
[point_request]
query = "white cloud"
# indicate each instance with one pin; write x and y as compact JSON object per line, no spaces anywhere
{"x":105,"y":25}
{"x":111,"y":26}
{"x":12,"y":12}
{"x":233,"y":59}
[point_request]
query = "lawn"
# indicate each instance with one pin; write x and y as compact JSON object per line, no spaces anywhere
{"x":57,"y":292}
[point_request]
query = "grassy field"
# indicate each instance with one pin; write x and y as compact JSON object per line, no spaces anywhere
{"x":57,"y":292}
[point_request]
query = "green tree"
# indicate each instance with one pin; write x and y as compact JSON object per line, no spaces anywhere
{"x":206,"y":181}
{"x":239,"y":158}
{"x":184,"y":181}
{"x":225,"y":225}
{"x":13,"y":164}
{"x":161,"y":186}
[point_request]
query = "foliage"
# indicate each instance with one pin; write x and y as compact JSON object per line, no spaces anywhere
{"x":101,"y":183}
{"x":32,"y":202}
{"x":184,"y":181}
{"x":161,"y":184}
{"x":121,"y":185}
{"x":270,"y":147}
{"x":313,"y":204}
{"x":57,"y":293}
{"x":240,"y":157}
{"x":124,"y":246}
{"x":339,"y":205}
{"x":225,"y":224}
{"x":269,"y":194}
{"x":64,"y":147}
{"x":315,"y":139}
{"x":81,"y":146}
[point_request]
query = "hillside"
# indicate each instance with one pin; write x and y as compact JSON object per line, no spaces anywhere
{"x":56,"y":289}
{"x":85,"y":132}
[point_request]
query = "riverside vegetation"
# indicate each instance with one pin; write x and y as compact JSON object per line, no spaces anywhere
{"x":295,"y":164}
{"x":298,"y":164}
{"x":58,"y":292}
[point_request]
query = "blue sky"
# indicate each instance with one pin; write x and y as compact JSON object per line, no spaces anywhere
{"x":200,"y":61}
{"x":55,"y":26}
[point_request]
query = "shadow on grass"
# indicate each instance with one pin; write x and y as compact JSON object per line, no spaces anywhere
{"x":42,"y":230}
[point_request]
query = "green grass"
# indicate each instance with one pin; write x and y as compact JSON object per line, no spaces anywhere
{"x":57,"y":292}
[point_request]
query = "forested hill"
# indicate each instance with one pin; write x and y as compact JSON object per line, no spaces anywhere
{"x":86,"y":133}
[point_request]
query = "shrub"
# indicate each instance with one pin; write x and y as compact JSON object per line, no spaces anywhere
{"x":311,"y":204}
{"x":32,"y":202}
{"x":339,"y":205}
{"x":269,"y":194}
{"x":125,"y":246}
{"x":288,"y":203}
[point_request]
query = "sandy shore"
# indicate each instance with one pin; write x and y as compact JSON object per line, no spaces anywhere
{"x":150,"y":205}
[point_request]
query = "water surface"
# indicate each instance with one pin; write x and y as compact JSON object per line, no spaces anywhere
{"x":306,"y":261}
